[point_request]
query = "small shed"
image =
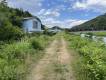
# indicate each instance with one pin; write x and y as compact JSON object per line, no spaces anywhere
{"x":32,"y":24}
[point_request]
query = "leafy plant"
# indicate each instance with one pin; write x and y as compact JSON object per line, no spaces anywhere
{"x":91,"y":61}
{"x":17,"y":57}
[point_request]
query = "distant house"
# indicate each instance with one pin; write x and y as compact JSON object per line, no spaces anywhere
{"x":55,"y":29}
{"x":32,"y":24}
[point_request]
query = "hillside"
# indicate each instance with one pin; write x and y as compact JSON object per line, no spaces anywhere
{"x":10,"y":21}
{"x":98,"y":23}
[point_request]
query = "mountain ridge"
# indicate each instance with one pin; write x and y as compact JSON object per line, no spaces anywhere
{"x":98,"y":23}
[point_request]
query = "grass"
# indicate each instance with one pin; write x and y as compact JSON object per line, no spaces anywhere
{"x":16,"y":58}
{"x":99,"y":33}
{"x":90,"y":64}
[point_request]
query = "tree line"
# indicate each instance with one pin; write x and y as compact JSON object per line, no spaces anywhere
{"x":11,"y":21}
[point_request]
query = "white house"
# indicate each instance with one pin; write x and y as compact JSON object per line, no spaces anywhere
{"x":55,"y":29}
{"x":32,"y":24}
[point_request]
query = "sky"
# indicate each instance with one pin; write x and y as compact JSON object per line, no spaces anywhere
{"x":63,"y":13}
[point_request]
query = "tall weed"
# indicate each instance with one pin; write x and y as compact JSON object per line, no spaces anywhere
{"x":91,"y":63}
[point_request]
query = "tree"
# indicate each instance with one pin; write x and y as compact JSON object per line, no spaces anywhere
{"x":3,"y":3}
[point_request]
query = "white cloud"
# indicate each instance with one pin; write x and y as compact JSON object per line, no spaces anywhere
{"x":96,"y":5}
{"x":52,"y":13}
{"x":50,"y":22}
{"x":49,"y":13}
{"x":76,"y":22}
{"x":79,"y":5}
{"x":41,"y":11}
{"x":31,"y":5}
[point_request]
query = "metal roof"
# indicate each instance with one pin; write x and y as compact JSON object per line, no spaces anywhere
{"x":34,"y":17}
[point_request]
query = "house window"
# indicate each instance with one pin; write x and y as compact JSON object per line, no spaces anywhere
{"x":35,"y":24}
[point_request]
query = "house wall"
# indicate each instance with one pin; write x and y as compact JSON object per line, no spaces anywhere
{"x":54,"y":30}
{"x":28,"y":26}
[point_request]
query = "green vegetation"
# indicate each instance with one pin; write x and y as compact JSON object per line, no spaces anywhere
{"x":91,"y":64}
{"x":102,"y":33}
{"x":18,"y":50}
{"x":11,"y":22}
{"x":99,"y":33}
{"x":16,"y":58}
{"x":98,"y":23}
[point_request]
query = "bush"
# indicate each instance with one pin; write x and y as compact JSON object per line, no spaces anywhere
{"x":16,"y":57}
{"x":36,"y":45}
{"x":92,"y":58}
{"x":9,"y":32}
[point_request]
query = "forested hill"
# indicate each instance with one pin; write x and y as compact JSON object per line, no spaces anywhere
{"x":12,"y":15}
{"x":10,"y":21}
{"x":98,"y":23}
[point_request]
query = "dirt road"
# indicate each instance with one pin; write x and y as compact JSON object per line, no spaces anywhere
{"x":55,"y":65}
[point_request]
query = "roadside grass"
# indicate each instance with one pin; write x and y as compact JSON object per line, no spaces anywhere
{"x":16,"y":58}
{"x":99,"y":33}
{"x":90,"y":62}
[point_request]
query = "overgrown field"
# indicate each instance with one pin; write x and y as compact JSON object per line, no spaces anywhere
{"x":16,"y":58}
{"x":102,"y":34}
{"x":99,"y":33}
{"x":91,"y":62}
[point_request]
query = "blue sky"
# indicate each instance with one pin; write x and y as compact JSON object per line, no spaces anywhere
{"x":63,"y":13}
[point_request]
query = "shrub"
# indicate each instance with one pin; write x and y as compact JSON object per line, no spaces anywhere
{"x":16,"y":57}
{"x":92,"y":58}
{"x":9,"y":32}
{"x":36,"y":45}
